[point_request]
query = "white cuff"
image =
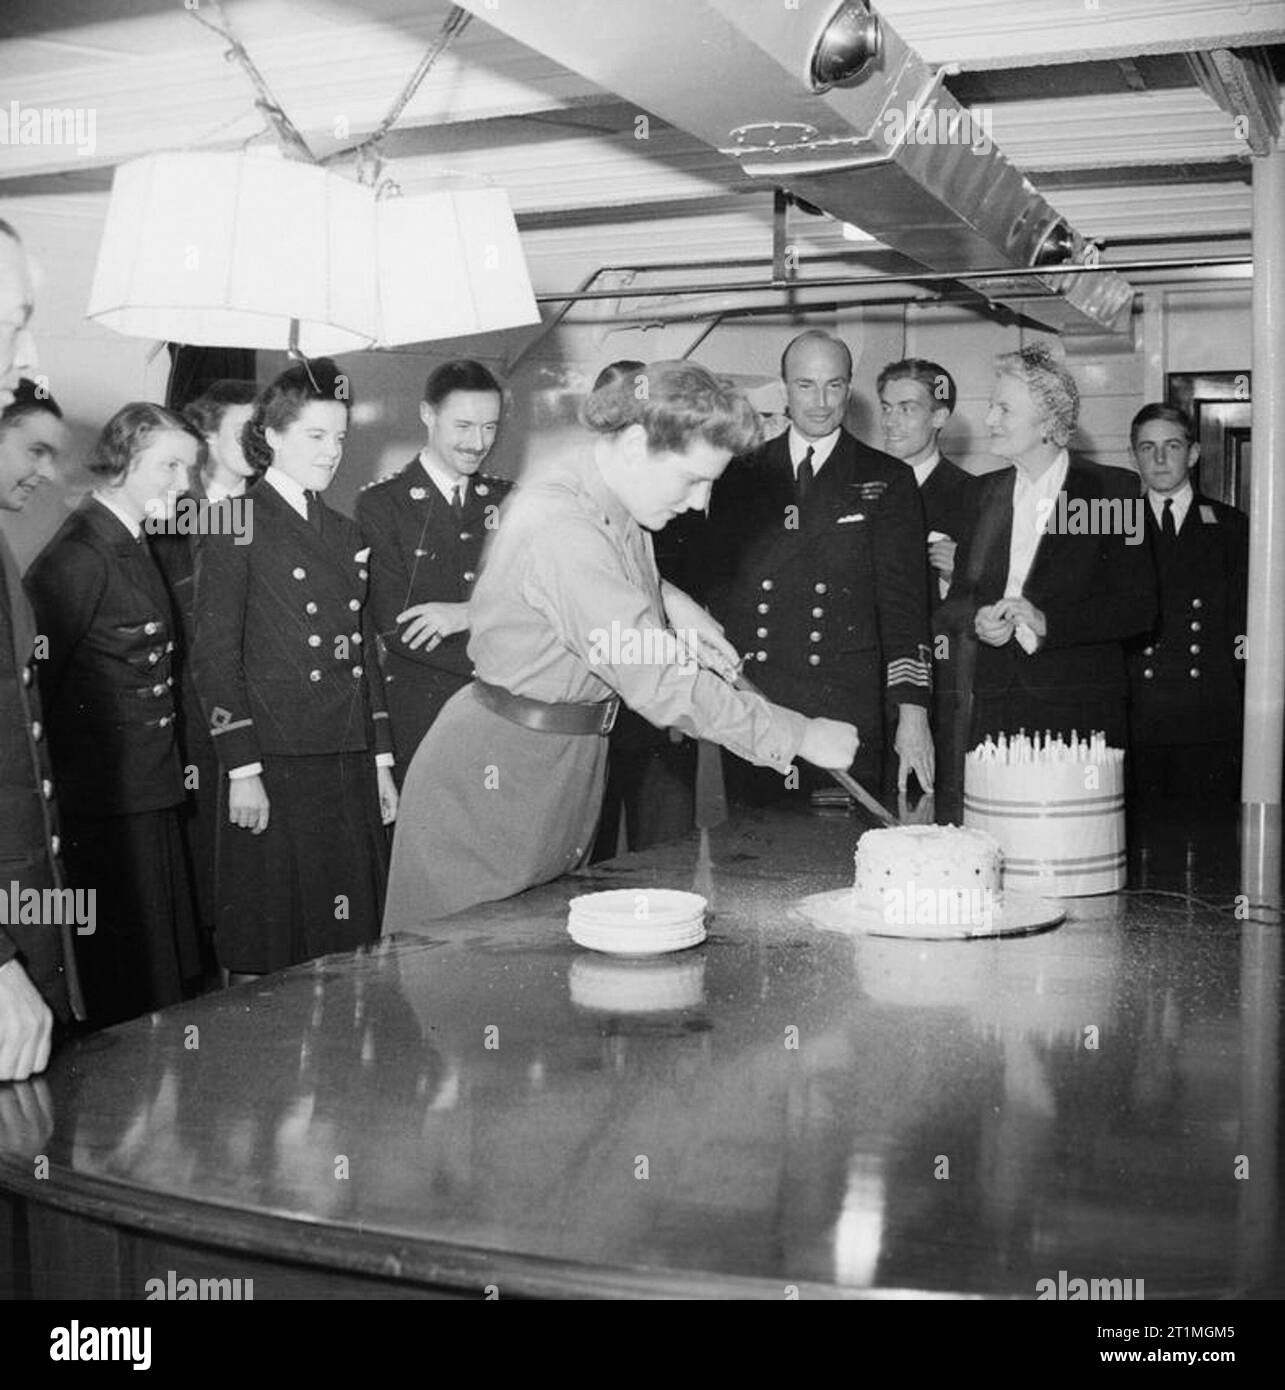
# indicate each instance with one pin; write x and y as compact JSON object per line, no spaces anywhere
{"x":249,"y":770}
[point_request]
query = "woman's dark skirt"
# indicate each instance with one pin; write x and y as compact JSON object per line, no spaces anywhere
{"x":488,"y":809}
{"x":313,"y":882}
{"x":144,"y":952}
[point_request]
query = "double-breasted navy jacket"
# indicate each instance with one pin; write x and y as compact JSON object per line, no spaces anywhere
{"x":29,"y":841}
{"x":828,"y":604}
{"x":107,"y":680}
{"x":283,"y":650}
{"x":1186,"y":673}
{"x":422,"y":552}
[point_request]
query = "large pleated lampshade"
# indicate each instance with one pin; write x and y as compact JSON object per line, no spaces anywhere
{"x":237,"y":249}
{"x":228,"y":249}
{"x":450,"y":263}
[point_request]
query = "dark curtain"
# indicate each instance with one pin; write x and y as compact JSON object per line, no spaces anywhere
{"x":192,"y":369}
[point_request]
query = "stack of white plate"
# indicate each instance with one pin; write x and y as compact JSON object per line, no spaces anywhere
{"x":637,"y":921}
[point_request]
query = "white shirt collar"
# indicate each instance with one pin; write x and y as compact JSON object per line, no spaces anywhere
{"x":443,"y":481}
{"x":285,"y":486}
{"x":135,"y":528}
{"x":1048,"y":484}
{"x":821,"y":448}
{"x":1182,"y":500}
{"x":216,"y":492}
{"x":924,"y":468}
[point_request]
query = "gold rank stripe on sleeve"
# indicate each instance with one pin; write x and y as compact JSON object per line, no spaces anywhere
{"x":908,"y":670}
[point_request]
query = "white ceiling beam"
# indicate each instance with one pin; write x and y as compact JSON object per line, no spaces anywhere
{"x":1127,"y":128}
{"x":334,"y":87}
{"x":987,"y":34}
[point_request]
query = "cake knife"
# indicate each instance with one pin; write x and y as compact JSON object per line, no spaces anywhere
{"x":844,"y":779}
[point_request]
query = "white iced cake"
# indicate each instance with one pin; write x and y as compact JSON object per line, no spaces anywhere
{"x":929,"y":875}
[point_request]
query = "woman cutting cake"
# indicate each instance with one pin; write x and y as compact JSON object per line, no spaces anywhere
{"x":568,"y":619}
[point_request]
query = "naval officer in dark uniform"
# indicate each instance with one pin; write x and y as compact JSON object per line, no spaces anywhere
{"x":816,"y":543}
{"x":107,"y":681}
{"x":37,"y":966}
{"x":426,"y":526}
{"x":294,"y":698}
{"x":219,"y":415}
{"x":1186,"y":673}
{"x":916,"y":399}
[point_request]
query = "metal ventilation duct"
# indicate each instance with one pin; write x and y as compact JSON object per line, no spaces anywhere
{"x":738,"y":74}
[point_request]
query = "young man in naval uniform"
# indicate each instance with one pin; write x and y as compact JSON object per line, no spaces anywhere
{"x":37,"y":968}
{"x":426,"y":526}
{"x":816,"y":546}
{"x":916,"y":399}
{"x":1186,"y":675}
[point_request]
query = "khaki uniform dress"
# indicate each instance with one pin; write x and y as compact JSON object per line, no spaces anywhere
{"x":490,"y":807}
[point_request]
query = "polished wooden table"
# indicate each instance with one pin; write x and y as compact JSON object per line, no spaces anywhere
{"x":487,"y":1110}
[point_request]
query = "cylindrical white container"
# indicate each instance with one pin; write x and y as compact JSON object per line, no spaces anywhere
{"x":1061,"y":824}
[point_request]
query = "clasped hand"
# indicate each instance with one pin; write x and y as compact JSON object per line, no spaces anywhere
{"x":995,"y":623}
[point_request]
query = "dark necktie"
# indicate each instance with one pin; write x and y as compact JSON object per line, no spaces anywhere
{"x":1167,"y":528}
{"x":314,"y":510}
{"x":457,"y":500}
{"x":803,"y":478}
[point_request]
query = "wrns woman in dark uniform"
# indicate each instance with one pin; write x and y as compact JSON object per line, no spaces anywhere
{"x":286,"y":671}
{"x":568,"y":618}
{"x":108,"y":689}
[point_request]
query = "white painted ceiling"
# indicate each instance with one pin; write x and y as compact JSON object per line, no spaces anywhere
{"x":1121,"y":158}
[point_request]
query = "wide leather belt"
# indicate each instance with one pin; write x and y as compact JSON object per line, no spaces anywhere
{"x":549,"y":718}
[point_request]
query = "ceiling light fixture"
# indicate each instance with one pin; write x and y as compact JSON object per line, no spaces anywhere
{"x":850,"y":43}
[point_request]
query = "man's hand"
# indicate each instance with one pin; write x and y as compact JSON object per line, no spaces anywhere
{"x":990,"y":627}
{"x":387,"y":795}
{"x":428,"y":623}
{"x":713,"y":650}
{"x":26,"y":1117}
{"x":914,"y":745}
{"x":941,"y":555}
{"x":248,"y":804}
{"x":1022,"y":612}
{"x":26,"y":1025}
{"x":829,"y":743}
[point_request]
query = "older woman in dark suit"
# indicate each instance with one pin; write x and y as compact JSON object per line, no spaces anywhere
{"x":286,"y":670}
{"x":1056,"y":575}
{"x":107,"y":685}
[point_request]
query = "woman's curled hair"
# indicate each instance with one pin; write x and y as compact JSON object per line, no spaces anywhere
{"x":675,"y":403}
{"x":281,"y":404}
{"x":129,"y":432}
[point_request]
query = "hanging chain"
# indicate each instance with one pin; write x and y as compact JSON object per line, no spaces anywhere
{"x":287,"y":131}
{"x":367,"y":151}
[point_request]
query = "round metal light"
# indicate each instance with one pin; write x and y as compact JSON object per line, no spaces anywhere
{"x":1055,"y":247}
{"x":849,"y":44}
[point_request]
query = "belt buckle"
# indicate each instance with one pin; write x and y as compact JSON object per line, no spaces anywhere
{"x":608,"y":721}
